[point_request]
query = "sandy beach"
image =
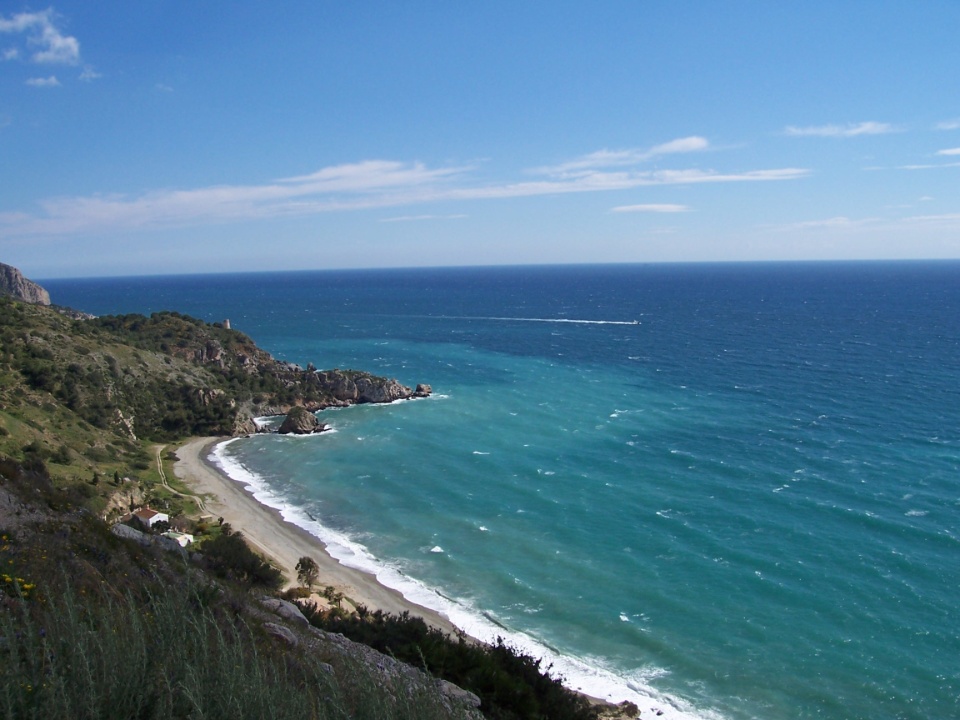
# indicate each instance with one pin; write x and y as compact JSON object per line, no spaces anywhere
{"x":282,"y":542}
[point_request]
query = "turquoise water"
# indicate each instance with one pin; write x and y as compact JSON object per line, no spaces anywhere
{"x":733,"y":493}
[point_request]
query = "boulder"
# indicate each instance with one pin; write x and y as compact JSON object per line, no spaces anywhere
{"x":282,"y":633}
{"x":300,"y":421}
{"x":286,"y":610}
{"x":423,"y":390}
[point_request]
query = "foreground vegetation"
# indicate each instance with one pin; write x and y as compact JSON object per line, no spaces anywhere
{"x":509,"y":683}
{"x":95,"y":627}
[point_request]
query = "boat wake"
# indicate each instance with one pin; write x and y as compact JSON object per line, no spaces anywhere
{"x":546,"y":320}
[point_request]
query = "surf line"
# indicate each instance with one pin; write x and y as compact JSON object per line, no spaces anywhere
{"x":544,"y":320}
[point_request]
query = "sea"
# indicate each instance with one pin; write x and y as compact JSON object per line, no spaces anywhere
{"x":715,"y":490}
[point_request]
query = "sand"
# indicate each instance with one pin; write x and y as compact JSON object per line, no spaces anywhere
{"x":282,"y":542}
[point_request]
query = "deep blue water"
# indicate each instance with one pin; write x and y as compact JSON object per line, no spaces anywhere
{"x":734,"y":492}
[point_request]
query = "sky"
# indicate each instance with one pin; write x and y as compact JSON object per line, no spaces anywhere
{"x":159,"y":137}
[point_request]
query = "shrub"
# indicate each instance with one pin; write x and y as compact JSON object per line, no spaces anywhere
{"x":510,"y":684}
{"x":229,"y":556}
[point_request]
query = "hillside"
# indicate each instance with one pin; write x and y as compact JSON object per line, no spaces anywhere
{"x":80,"y":392}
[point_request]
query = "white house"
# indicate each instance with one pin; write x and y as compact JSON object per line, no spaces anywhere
{"x":150,"y":517}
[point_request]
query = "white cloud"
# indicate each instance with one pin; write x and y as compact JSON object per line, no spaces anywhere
{"x":949,"y":125}
{"x":43,"y":82}
{"x":51,"y":45}
{"x":950,"y":151}
{"x":622,"y":158}
{"x":89,"y":74}
{"x":10,"y":54}
{"x":651,"y":208}
{"x":369,"y":184}
{"x":864,"y":128}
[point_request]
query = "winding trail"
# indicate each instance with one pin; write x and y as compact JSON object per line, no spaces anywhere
{"x":201,"y":505}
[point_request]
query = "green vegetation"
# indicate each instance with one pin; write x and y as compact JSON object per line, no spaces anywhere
{"x":228,"y":556}
{"x":92,"y":626}
{"x":510,"y":684}
{"x":308,"y":572}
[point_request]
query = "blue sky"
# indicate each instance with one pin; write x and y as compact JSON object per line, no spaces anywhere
{"x":167,"y":137}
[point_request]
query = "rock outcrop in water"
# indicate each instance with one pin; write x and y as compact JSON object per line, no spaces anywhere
{"x":349,"y":387}
{"x":14,"y":284}
{"x":300,"y":421}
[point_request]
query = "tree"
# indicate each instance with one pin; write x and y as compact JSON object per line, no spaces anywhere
{"x":307,"y":571}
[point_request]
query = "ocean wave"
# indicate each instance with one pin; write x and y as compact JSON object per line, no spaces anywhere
{"x":587,"y":675}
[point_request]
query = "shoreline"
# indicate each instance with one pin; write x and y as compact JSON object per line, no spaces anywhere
{"x":283,"y":542}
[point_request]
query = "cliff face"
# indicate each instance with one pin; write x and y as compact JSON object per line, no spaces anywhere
{"x":13,"y":283}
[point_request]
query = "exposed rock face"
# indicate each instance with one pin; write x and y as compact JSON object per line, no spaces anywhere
{"x":349,"y":387}
{"x":300,"y":421}
{"x":13,"y":283}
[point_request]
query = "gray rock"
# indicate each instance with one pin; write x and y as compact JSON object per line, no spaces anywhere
{"x":376,"y":390}
{"x":300,"y":421}
{"x":128,"y":533}
{"x":146,"y":540}
{"x":13,"y":283}
{"x":458,"y":694}
{"x":284,"y":609}
{"x":282,"y":633}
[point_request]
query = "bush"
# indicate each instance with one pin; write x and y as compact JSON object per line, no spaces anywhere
{"x":229,"y":556}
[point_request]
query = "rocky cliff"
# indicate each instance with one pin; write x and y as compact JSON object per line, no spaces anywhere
{"x":13,"y":283}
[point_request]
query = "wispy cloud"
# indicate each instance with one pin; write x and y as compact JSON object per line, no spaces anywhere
{"x":850,"y":130}
{"x":930,"y":166}
{"x":873,"y":224}
{"x":830,"y":223}
{"x":949,"y":124}
{"x":651,"y":208}
{"x":10,"y":54}
{"x":948,"y":218}
{"x":950,"y":151}
{"x":42,"y":34}
{"x":623,"y":158}
{"x":416,"y":218}
{"x":43,"y":82}
{"x":89,"y":74}
{"x":363,"y":185}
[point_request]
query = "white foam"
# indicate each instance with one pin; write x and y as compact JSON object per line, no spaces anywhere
{"x":587,"y":675}
{"x":550,"y":320}
{"x":436,"y":549}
